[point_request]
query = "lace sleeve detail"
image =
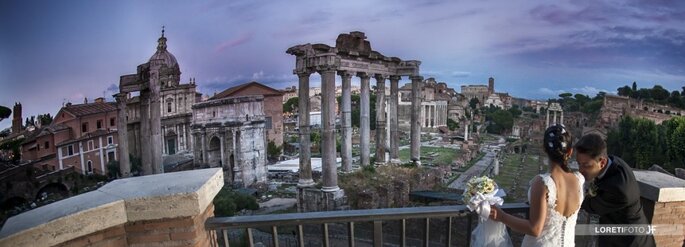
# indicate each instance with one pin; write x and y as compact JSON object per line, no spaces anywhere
{"x":551,"y":190}
{"x":581,"y":184}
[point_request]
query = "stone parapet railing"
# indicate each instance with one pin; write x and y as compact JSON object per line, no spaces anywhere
{"x":158,"y":210}
{"x":663,"y":200}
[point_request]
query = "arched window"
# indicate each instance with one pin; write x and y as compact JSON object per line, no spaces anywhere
{"x":90,"y":167}
{"x":168,"y":106}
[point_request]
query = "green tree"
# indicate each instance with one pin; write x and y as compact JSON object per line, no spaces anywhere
{"x":227,"y":202}
{"x":452,"y":125}
{"x":625,"y":91}
{"x":44,"y":119}
{"x":113,"y":171}
{"x":4,"y":112}
{"x":659,"y":93}
{"x":634,"y":88}
{"x":515,"y":112}
{"x":500,"y":121}
{"x":474,"y":103}
{"x":291,"y":105}
{"x":273,"y":151}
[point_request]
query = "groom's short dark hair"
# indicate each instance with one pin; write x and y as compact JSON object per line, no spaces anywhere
{"x":592,"y":145}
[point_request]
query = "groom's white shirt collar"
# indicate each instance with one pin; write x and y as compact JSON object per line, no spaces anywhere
{"x":605,"y":169}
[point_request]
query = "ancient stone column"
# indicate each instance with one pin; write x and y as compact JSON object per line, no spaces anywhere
{"x":415,"y":125}
{"x":329,"y":168}
{"x":380,"y":119}
{"x":346,"y":120}
{"x":221,"y":147}
{"x":122,"y":133}
{"x":203,"y":138}
{"x":394,"y":121}
{"x":365,"y":121}
{"x":305,"y":143}
{"x":547,"y":119}
{"x":145,"y":140}
{"x":156,"y":123}
{"x":561,"y":118}
{"x":555,"y":117}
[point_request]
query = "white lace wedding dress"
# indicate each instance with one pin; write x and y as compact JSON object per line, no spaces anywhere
{"x":558,"y":231}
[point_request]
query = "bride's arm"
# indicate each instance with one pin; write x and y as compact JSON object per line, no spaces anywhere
{"x":538,"y":204}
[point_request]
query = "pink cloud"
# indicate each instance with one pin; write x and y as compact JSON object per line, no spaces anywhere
{"x":233,"y":42}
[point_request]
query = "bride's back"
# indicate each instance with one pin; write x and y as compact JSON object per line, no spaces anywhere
{"x":568,"y":196}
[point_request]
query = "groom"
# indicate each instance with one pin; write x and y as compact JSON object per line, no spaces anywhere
{"x":613,"y":192}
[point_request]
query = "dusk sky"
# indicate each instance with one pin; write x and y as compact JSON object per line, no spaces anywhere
{"x":62,"y":51}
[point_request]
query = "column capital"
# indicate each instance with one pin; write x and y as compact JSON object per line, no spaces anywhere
{"x":305,"y":73}
{"x":363,"y":75}
{"x":345,"y":74}
{"x":380,"y":77}
{"x":326,"y":68}
{"x":120,"y":96}
{"x":395,"y":77}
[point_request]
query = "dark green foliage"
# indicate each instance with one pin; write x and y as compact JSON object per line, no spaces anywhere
{"x":656,"y":94}
{"x":641,"y":143}
{"x":356,"y":110}
{"x":473,"y":103}
{"x":291,"y":105}
{"x":113,"y":171}
{"x":515,"y":112}
{"x":452,"y":125}
{"x":228,"y":202}
{"x":273,"y":151}
{"x":500,"y":120}
{"x":4,"y":112}
{"x":136,"y":165}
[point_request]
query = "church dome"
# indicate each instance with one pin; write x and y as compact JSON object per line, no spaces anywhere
{"x":162,"y":55}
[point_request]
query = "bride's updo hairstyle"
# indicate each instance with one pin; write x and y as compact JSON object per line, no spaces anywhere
{"x":557,"y":142}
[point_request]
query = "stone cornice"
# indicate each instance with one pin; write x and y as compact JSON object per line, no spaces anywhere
{"x":660,"y":187}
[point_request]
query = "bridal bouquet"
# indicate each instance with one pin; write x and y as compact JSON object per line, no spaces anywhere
{"x":480,"y":193}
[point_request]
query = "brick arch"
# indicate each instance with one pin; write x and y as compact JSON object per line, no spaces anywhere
{"x":59,"y":188}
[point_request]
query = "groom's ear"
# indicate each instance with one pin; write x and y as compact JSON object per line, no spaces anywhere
{"x":603,"y":161}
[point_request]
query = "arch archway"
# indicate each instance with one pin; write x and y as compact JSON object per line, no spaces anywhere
{"x":214,"y":152}
{"x":53,"y":191}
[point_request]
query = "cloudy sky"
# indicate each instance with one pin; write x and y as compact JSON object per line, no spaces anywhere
{"x":62,"y":51}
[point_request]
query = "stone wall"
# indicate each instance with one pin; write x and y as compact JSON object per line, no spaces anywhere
{"x":663,"y":200}
{"x":158,"y":210}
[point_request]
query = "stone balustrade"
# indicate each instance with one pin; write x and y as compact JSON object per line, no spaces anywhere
{"x":157,"y":210}
{"x":663,"y":201}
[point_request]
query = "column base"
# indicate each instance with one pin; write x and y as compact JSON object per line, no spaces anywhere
{"x":417,"y":162}
{"x":395,"y":162}
{"x":380,"y":163}
{"x":330,"y":189}
{"x":304,"y":183}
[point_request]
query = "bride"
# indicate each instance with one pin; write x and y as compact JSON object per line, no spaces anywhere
{"x":554,"y":197}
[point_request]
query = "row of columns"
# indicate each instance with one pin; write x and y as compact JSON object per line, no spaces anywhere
{"x":433,"y":115}
{"x":554,"y":119}
{"x":329,"y":170}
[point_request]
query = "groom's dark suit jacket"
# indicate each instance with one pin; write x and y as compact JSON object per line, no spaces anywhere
{"x":618,"y":202}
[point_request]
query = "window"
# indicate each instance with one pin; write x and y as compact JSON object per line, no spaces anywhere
{"x":90,"y":167}
{"x":99,"y":124}
{"x":268,"y":123}
{"x":47,"y":145}
{"x":110,"y":140}
{"x":168,"y":107}
{"x":70,"y":150}
{"x":84,"y":127}
{"x":91,"y":145}
{"x":111,"y":122}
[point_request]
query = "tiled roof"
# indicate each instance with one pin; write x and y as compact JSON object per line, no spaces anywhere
{"x":231,"y":91}
{"x":90,"y":108}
